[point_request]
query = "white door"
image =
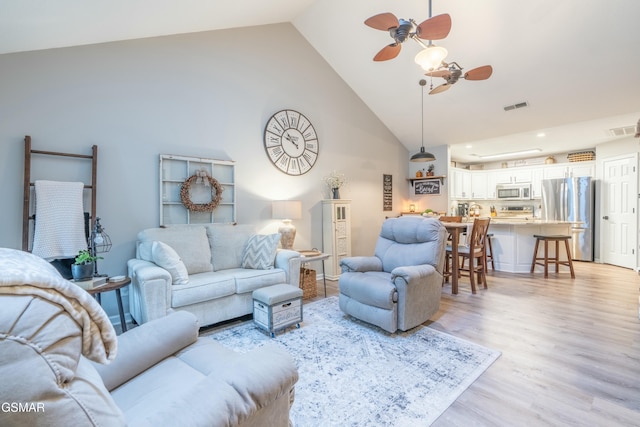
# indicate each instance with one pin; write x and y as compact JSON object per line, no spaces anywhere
{"x":619,"y":200}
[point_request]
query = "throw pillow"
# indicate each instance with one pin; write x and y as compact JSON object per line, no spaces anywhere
{"x":260,"y":252}
{"x":166,"y":257}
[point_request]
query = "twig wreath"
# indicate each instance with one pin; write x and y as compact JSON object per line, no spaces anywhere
{"x":201,"y":177}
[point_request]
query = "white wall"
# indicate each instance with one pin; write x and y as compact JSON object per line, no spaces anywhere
{"x":205,"y":95}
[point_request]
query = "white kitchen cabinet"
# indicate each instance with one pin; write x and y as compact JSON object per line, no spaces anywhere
{"x":460,"y":184}
{"x":479,"y":188}
{"x":567,"y":170}
{"x":513,"y":176}
{"x":582,"y":169}
{"x":336,"y":234}
{"x":555,"y":172}
{"x":536,"y":183}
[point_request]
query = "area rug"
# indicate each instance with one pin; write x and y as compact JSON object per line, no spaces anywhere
{"x":355,"y":374}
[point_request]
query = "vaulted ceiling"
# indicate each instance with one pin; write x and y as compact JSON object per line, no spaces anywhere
{"x":574,"y":62}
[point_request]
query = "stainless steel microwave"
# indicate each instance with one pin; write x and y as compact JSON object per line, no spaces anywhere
{"x":513,"y":191}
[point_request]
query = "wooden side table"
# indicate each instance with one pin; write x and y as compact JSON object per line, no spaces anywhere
{"x":113,"y":286}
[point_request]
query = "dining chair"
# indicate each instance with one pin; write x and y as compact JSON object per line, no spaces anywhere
{"x":475,"y":252}
{"x":447,"y":260}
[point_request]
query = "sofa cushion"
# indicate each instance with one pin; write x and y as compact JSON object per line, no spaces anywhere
{"x":260,"y":251}
{"x":248,"y":280}
{"x":227,"y":242}
{"x":164,"y":256}
{"x":189,"y":241}
{"x":203,"y":287}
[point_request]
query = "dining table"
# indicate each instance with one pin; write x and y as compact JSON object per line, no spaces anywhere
{"x":455,"y":229}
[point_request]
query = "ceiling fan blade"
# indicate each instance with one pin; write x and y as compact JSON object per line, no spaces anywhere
{"x":480,"y":73}
{"x":441,"y":88}
{"x":388,"y":52}
{"x":435,"y":28}
{"x":382,"y":21}
{"x":439,"y":73}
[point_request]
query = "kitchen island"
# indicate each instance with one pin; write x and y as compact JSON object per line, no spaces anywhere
{"x":513,"y":241}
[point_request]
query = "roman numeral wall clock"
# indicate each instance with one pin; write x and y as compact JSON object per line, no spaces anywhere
{"x":291,"y":142}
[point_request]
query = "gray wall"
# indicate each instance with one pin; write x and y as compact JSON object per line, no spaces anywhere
{"x":204,"y":95}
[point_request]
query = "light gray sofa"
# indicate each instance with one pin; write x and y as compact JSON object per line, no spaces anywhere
{"x":215,"y":286}
{"x":400,"y":286}
{"x":63,"y":365}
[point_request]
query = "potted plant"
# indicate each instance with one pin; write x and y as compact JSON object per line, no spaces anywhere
{"x":82,"y":268}
{"x":430,"y":170}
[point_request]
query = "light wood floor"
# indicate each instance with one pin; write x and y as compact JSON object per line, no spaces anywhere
{"x":570,"y":348}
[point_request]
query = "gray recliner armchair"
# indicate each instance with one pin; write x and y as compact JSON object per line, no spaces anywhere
{"x":400,"y":286}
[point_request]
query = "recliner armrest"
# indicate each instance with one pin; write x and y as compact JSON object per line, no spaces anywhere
{"x":360,"y":264}
{"x":412,"y":272}
{"x":144,"y":346}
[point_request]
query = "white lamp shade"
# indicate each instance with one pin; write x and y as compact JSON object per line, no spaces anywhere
{"x":431,"y":57}
{"x":286,"y":209}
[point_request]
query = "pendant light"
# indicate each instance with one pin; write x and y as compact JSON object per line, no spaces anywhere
{"x":422,"y":156}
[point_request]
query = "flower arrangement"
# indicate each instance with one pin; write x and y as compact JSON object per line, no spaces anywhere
{"x":335,"y":180}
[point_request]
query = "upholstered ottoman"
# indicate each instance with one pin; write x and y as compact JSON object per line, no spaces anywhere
{"x":277,"y":307}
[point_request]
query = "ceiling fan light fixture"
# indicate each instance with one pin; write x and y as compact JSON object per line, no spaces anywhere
{"x":431,"y":57}
{"x":423,"y":156}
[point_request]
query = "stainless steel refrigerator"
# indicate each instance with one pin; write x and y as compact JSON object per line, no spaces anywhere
{"x":572,"y":199}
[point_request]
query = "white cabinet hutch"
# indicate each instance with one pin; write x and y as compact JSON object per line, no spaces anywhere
{"x":336,"y":234}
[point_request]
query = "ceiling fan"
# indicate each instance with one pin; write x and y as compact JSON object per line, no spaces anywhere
{"x":452,"y":72}
{"x":434,"y":28}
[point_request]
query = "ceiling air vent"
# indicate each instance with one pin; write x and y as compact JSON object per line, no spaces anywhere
{"x":516,"y":106}
{"x":623,"y":131}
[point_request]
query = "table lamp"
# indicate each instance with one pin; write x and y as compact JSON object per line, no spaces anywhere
{"x":287,"y":210}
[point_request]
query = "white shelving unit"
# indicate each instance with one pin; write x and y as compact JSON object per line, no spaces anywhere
{"x":174,"y":170}
{"x":336,"y":234}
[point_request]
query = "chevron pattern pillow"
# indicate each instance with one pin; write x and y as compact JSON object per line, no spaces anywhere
{"x":260,"y":251}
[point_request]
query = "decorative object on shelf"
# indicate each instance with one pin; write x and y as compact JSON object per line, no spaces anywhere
{"x":286,"y":210}
{"x":581,"y":156}
{"x":549,"y":160}
{"x":419,"y":174}
{"x":99,"y":243}
{"x":335,"y":180}
{"x":387,"y":192}
{"x":201,"y":177}
{"x":83,"y":266}
{"x":430,"y":170}
{"x":412,"y":207}
{"x":291,"y":142}
{"x":428,"y":187}
{"x":422,"y":156}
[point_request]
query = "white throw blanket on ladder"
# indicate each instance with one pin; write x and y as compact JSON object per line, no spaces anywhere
{"x":59,"y":225}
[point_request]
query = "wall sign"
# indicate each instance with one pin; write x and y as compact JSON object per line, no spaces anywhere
{"x":387,"y":192}
{"x":427,"y":187}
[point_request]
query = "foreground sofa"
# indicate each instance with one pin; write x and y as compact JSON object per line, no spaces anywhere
{"x":211,"y":271}
{"x":158,"y":374}
{"x":399,"y":287}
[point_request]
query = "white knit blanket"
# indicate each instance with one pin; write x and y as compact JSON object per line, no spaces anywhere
{"x":59,"y":226}
{"x":26,"y":274}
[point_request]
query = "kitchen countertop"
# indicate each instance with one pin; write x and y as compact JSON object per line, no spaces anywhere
{"x":523,"y":221}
